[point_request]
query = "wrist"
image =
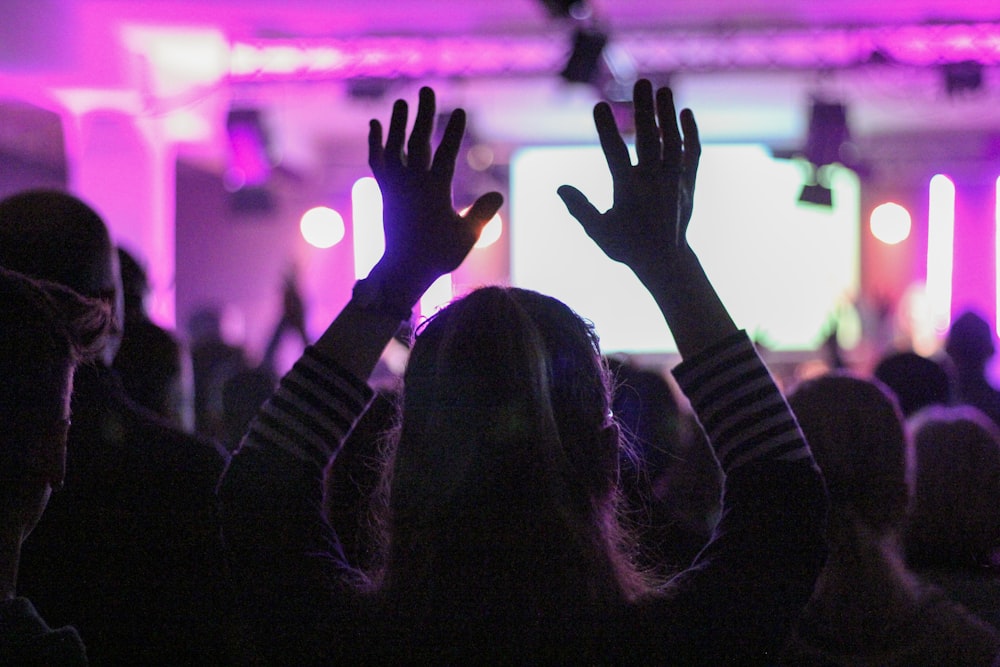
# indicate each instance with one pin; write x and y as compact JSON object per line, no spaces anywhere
{"x":391,"y":289}
{"x":383,"y":294}
{"x":669,"y":270}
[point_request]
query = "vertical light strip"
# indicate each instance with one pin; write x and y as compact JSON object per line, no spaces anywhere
{"x":940,"y":250}
{"x":437,"y":296}
{"x":996,"y":255}
{"x":366,"y":213}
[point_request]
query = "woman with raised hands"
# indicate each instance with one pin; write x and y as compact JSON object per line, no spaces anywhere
{"x":501,"y":539}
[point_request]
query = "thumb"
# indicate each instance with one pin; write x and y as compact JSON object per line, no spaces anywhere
{"x":483,"y":210}
{"x":579,"y":206}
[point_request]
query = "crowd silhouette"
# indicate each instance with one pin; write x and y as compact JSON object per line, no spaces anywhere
{"x":516,"y":497}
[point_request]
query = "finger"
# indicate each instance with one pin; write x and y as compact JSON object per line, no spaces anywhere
{"x":647,"y":137}
{"x":393,"y":155}
{"x":692,"y":148}
{"x":418,"y":150}
{"x":483,"y":210}
{"x":615,"y":150}
{"x":692,"y":144}
{"x":579,"y":207}
{"x":667,"y":114}
{"x":443,"y":166}
{"x":376,"y":159}
{"x":689,"y":171}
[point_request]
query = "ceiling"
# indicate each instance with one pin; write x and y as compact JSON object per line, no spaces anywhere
{"x":748,"y":68}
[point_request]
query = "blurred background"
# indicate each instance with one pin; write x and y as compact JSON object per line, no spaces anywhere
{"x":851,"y":181}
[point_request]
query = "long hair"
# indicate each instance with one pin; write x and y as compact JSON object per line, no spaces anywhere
{"x":503,"y":481}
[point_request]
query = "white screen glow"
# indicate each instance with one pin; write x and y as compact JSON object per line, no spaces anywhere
{"x":784,"y":270}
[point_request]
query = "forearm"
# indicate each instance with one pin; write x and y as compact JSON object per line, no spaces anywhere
{"x":689,"y":303}
{"x":357,"y":337}
{"x":272,"y":491}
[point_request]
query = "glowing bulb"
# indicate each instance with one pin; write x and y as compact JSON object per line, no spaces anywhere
{"x":890,"y":223}
{"x":322,"y":227}
{"x":491,"y":232}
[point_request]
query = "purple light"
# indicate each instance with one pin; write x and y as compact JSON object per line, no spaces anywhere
{"x":914,"y":45}
{"x":940,"y":250}
{"x":996,"y":241}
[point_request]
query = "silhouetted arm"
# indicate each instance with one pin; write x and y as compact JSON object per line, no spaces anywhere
{"x":646,"y":226}
{"x":425,"y":237}
{"x":747,"y":586}
{"x":286,"y":558}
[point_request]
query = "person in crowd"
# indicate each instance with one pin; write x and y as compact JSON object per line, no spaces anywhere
{"x":952,"y":531}
{"x":214,"y":362}
{"x":502,"y":543}
{"x":917,"y":381}
{"x":46,"y":330}
{"x":970,"y":347}
{"x":867,"y":608}
{"x":129,"y":551}
{"x":154,"y":366}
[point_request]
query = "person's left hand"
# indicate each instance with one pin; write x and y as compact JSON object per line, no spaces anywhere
{"x":425,"y":237}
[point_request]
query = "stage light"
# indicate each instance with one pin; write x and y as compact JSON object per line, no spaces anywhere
{"x":828,"y":141}
{"x":996,"y":237}
{"x":250,"y":162}
{"x":437,"y":296}
{"x":366,"y":212}
{"x":576,"y":9}
{"x":827,"y":135}
{"x":816,"y":194}
{"x":940,"y":249}
{"x":491,"y":232}
{"x":322,"y":227}
{"x":584,"y":61}
{"x":890,"y":223}
{"x":962,"y":77}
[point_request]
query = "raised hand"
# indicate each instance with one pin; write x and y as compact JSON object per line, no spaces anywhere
{"x":648,"y":219}
{"x":424,"y":236}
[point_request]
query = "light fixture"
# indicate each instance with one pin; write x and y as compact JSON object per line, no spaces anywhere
{"x":828,"y":141}
{"x":584,"y":61}
{"x":250,"y":163}
{"x":816,"y":194}
{"x":963,"y":77}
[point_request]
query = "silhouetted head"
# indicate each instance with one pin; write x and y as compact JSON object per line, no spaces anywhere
{"x":205,"y":324}
{"x":970,"y":341}
{"x":506,"y":441}
{"x":854,"y":428}
{"x":54,"y":236}
{"x":135,"y":283}
{"x":917,"y":381}
{"x":45,"y":330}
{"x":954,"y":518}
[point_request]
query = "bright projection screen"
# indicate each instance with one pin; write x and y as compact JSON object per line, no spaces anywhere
{"x":783,"y":269}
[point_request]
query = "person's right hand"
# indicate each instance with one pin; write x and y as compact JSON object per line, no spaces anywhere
{"x":647,"y":222}
{"x":424,"y":236}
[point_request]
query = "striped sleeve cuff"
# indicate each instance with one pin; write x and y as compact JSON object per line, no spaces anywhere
{"x":312,"y":411}
{"x":739,"y":405}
